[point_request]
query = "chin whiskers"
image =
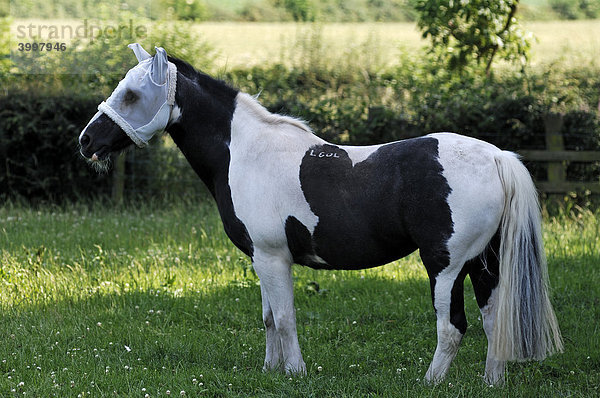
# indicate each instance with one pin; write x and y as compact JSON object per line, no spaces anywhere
{"x":101,"y":166}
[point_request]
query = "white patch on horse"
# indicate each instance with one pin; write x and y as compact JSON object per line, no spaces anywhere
{"x":476,"y":198}
{"x":175,"y":114}
{"x":358,"y":154}
{"x":449,"y":339}
{"x":270,"y":148}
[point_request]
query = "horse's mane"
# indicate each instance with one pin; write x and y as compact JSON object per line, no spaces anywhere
{"x":210,"y":84}
{"x":219,"y":87}
{"x":258,"y":110}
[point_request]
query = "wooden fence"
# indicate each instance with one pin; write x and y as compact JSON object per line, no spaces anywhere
{"x":558,"y":159}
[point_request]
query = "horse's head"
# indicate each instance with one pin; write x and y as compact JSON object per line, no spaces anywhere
{"x":138,"y":108}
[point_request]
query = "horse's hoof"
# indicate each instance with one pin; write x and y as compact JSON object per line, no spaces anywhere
{"x":494,"y":380}
{"x":296,"y":370}
{"x":271,"y":367}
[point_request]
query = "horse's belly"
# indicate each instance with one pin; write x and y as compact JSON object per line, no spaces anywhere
{"x":346,"y":245}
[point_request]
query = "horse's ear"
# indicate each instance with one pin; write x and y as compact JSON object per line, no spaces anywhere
{"x":160,"y":66}
{"x":139,"y":51}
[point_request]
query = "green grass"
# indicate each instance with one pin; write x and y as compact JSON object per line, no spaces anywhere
{"x":101,"y":301}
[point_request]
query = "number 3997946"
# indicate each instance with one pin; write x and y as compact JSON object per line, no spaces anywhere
{"x":42,"y":46}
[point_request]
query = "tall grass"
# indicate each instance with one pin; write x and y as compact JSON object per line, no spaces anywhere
{"x":100,"y":301}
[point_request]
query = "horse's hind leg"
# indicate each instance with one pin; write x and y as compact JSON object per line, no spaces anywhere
{"x":448,"y":301}
{"x":483,"y":272}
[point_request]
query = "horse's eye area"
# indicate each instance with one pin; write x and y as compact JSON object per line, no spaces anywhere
{"x":130,"y":97}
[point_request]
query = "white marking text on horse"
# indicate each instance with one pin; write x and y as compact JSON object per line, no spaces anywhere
{"x":323,"y":154}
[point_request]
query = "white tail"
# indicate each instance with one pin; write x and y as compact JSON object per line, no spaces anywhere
{"x":525,"y":326}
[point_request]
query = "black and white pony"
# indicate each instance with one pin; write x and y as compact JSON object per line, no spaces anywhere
{"x":286,"y":196}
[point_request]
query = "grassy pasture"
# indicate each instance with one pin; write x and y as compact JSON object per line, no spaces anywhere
{"x":100,"y":301}
{"x":568,"y":43}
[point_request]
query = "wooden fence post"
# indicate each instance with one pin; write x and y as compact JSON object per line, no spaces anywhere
{"x":118,"y":185}
{"x":557,"y":173}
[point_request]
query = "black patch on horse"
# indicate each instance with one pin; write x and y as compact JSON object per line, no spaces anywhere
{"x":376,"y":211}
{"x":300,"y":243}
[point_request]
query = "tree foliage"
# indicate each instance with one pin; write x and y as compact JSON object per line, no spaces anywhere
{"x":463,"y":32}
{"x":300,"y":10}
{"x":576,"y":9}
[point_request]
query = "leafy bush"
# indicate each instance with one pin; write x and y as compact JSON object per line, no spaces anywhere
{"x":263,"y":11}
{"x":38,"y":147}
{"x":41,"y":160}
{"x":576,"y":9}
{"x":300,"y":10}
{"x":75,"y":8}
{"x":192,"y":10}
{"x":4,"y":48}
{"x":472,"y":31}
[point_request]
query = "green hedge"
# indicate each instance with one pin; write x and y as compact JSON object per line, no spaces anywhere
{"x":40,"y":159}
{"x":38,"y":132}
{"x":38,"y":146}
{"x":366,"y":108}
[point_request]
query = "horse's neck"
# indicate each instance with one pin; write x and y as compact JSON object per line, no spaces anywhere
{"x":203,"y":132}
{"x":212,"y":131}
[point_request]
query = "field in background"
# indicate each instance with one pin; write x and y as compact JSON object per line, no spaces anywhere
{"x":99,"y":301}
{"x":242,"y":44}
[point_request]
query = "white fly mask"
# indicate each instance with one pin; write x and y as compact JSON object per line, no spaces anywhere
{"x":142,"y":102}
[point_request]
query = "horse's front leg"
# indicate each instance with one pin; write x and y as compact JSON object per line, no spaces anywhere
{"x":275,"y":272}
